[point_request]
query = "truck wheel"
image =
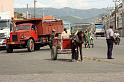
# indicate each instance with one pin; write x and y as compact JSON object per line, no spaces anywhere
{"x":9,"y":49}
{"x":30,"y":45}
{"x":54,"y":53}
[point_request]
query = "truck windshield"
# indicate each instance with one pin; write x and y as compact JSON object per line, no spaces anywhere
{"x":22,"y":27}
{"x":3,"y":24}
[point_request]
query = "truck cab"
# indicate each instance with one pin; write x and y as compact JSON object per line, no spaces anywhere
{"x":99,"y":30}
{"x":5,"y":27}
{"x":24,"y":35}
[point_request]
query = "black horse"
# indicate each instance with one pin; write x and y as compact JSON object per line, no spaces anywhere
{"x":77,"y":41}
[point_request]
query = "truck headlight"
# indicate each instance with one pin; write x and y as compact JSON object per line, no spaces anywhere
{"x":23,"y":36}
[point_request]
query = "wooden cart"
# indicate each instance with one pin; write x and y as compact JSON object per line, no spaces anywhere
{"x":60,"y":46}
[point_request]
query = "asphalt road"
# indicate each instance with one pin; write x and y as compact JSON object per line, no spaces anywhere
{"x":23,"y":66}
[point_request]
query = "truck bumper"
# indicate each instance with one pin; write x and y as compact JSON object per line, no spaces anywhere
{"x":2,"y":46}
{"x":16,"y":43}
{"x":2,"y":43}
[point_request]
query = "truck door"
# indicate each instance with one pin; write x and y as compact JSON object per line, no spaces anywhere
{"x":34,"y":32}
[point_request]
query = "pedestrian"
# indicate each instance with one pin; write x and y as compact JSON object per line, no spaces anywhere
{"x":52,"y":37}
{"x":88,"y":38}
{"x":12,"y":25}
{"x":110,"y":41}
{"x":117,"y":37}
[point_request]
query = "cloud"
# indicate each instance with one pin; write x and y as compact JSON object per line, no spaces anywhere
{"x":68,"y":3}
{"x":80,"y":4}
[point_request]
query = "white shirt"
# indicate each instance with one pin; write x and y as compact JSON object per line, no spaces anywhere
{"x":65,"y":35}
{"x":116,"y":35}
{"x":109,"y":33}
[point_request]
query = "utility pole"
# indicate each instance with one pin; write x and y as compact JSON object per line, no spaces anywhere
{"x":43,"y":12}
{"x":27,"y":13}
{"x":34,"y":7}
{"x":122,"y":30}
{"x":116,"y":8}
{"x":115,"y":15}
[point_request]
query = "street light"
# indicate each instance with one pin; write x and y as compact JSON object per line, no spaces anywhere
{"x":116,"y":12}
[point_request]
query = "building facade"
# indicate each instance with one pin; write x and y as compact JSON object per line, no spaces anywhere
{"x":7,"y":6}
{"x":110,"y":19}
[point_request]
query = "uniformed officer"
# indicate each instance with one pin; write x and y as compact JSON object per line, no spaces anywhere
{"x":52,"y":37}
{"x":110,"y":41}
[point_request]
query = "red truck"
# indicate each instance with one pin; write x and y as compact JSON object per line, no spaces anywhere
{"x":32,"y":33}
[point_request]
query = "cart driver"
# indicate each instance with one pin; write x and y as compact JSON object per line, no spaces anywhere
{"x":65,"y":34}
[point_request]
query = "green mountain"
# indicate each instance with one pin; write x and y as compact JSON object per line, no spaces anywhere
{"x":68,"y":14}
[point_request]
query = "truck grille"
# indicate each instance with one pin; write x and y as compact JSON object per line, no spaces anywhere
{"x":2,"y":35}
{"x":14,"y":38}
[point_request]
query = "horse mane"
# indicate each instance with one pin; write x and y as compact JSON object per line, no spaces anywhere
{"x":79,"y":34}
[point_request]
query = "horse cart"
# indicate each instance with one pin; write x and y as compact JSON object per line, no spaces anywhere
{"x":60,"y":46}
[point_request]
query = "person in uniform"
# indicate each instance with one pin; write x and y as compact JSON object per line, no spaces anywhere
{"x":52,"y":37}
{"x":110,"y":41}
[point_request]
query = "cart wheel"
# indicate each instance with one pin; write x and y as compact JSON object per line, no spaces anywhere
{"x":9,"y":49}
{"x":30,"y":45}
{"x":54,"y":53}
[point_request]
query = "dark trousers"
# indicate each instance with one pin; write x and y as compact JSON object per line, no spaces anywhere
{"x":110,"y":48}
{"x":74,"y":52}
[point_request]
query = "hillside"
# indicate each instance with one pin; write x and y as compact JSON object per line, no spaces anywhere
{"x":68,"y":14}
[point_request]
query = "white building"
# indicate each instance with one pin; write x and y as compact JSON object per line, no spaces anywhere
{"x":7,"y":6}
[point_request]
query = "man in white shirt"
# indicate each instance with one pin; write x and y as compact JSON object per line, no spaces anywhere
{"x":110,"y":40}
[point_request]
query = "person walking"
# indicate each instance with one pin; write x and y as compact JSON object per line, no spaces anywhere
{"x":110,"y":41}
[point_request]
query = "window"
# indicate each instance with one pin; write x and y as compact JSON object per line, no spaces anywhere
{"x":22,"y":27}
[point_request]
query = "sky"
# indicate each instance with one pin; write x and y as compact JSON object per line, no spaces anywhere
{"x":78,"y":4}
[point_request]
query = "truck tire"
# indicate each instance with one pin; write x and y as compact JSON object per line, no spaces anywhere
{"x":9,"y":49}
{"x":54,"y":53}
{"x":30,"y":45}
